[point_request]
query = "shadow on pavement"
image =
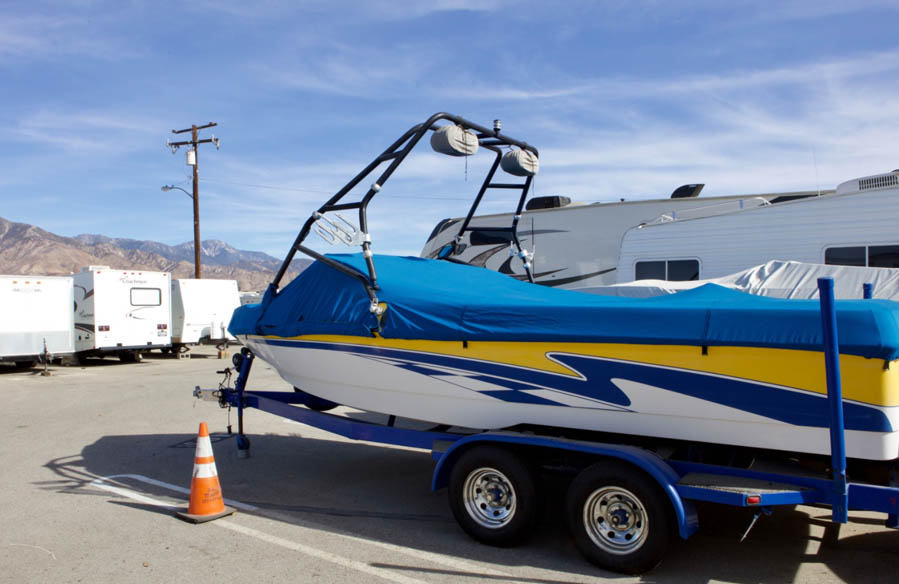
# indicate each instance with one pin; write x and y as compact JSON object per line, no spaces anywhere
{"x":382,"y":494}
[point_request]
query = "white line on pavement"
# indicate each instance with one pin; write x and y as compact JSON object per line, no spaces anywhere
{"x":441,"y":559}
{"x":291,"y":545}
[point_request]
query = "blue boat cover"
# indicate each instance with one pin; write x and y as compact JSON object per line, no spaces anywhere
{"x":440,"y":300}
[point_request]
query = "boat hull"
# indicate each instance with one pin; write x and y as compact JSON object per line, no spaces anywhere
{"x":722,"y":395}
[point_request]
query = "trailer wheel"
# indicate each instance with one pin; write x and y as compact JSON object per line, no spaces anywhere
{"x":619,"y":517}
{"x":493,"y":496}
{"x":315,"y":403}
{"x":25,"y":364}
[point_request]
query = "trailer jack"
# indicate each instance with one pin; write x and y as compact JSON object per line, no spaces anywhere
{"x":761,"y":511}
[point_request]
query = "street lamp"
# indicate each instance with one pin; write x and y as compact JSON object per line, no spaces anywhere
{"x":166,"y":188}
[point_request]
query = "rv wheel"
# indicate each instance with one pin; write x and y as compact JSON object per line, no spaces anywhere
{"x":619,"y":517}
{"x":130,"y":356}
{"x":493,"y":496}
{"x":25,"y":364}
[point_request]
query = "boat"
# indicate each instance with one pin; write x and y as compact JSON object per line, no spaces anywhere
{"x":459,"y":345}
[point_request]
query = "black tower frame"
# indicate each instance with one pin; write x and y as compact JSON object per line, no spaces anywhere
{"x":490,"y":139}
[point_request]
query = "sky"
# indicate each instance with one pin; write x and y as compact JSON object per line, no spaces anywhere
{"x":623,"y":99}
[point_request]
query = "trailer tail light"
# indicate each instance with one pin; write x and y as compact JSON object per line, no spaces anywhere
{"x":162,"y":327}
{"x":103,"y":328}
{"x":753,"y":500}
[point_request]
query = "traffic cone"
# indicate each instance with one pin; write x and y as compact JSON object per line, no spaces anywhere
{"x":206,"y":501}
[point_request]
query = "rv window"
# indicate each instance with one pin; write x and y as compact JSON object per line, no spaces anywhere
{"x":683,"y":270}
{"x":845,"y":256}
{"x":490,"y":237}
{"x":146,"y":297}
{"x":883,"y":256}
{"x":649,"y":271}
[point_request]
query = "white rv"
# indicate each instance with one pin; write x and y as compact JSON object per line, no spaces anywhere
{"x":201,"y":311}
{"x":35,"y":318}
{"x":856,"y":226}
{"x":121,"y":312}
{"x":577,"y":245}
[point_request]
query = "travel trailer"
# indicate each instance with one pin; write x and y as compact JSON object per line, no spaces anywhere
{"x":36,"y":320}
{"x":201,"y":311}
{"x":121,"y":312}
{"x":855,"y":226}
{"x":577,"y":245}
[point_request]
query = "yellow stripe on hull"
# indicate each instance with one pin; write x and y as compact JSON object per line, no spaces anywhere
{"x":864,"y":380}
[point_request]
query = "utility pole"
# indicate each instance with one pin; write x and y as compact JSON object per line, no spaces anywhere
{"x":193,"y":160}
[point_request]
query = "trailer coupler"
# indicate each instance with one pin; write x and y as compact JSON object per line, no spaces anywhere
{"x":216,"y":395}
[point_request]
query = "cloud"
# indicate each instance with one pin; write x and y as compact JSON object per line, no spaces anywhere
{"x":69,"y":32}
{"x":85,"y":132}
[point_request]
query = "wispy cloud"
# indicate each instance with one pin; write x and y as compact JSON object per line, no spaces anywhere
{"x":86,"y":132}
{"x":67,"y":33}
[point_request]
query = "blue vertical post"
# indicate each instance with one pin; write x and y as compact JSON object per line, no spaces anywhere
{"x":835,"y":401}
{"x":868,"y":291}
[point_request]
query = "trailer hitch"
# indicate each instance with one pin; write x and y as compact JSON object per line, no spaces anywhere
{"x":221,"y":394}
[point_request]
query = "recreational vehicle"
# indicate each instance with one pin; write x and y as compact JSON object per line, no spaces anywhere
{"x":121,"y":312}
{"x":35,"y":318}
{"x":855,"y":226}
{"x":201,"y":311}
{"x":576,"y":245}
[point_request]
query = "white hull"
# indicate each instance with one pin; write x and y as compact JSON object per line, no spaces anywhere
{"x":459,"y":398}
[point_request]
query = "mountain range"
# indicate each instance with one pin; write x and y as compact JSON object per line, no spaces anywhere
{"x":26,"y":249}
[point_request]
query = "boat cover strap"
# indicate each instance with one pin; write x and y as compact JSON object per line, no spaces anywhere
{"x":437,"y":300}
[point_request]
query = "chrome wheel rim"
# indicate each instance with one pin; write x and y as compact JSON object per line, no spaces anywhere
{"x":615,"y":520}
{"x":490,"y":499}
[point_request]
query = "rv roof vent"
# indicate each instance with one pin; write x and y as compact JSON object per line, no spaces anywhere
{"x":550,"y":202}
{"x":877,"y":182}
{"x":687,"y":191}
{"x":94,"y":268}
{"x":868,"y":183}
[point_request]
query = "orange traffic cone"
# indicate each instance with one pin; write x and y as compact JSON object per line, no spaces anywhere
{"x":206,"y":501}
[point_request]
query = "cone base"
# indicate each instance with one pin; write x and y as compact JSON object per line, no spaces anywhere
{"x":191,"y":518}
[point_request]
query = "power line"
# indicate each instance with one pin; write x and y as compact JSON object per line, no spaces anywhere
{"x":299,"y":190}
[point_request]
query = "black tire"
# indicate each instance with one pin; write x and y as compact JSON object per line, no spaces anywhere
{"x":25,"y":364}
{"x":493,"y":496}
{"x":130,"y":356}
{"x":315,"y":403}
{"x":619,"y":517}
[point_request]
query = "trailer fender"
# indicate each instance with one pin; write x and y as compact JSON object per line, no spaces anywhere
{"x":648,"y":462}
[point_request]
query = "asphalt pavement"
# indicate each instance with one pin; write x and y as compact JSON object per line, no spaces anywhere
{"x":96,"y":458}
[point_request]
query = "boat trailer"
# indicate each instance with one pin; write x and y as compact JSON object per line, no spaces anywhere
{"x":626,"y":502}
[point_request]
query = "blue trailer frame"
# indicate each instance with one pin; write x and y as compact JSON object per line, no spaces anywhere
{"x":682,"y":482}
